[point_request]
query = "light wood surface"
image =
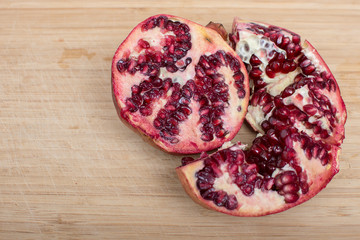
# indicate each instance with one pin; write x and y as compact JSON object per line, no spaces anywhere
{"x":69,"y":169}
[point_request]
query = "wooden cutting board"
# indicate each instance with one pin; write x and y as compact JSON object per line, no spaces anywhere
{"x":69,"y":169}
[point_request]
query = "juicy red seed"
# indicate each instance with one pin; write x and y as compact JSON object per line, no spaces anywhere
{"x":145,"y":110}
{"x":241,"y":93}
{"x":207,"y":137}
{"x":232,"y":202}
{"x":309,"y":69}
{"x":255,"y":73}
{"x":310,"y":109}
{"x":131,"y":105}
{"x":158,"y":124}
{"x":157,"y":82}
{"x":208,"y":194}
{"x":221,"y":133}
{"x":285,"y":42}
{"x":305,"y":63}
{"x":296,"y":39}
{"x":186,"y":92}
{"x":186,"y":110}
{"x":247,"y":189}
{"x":286,"y":67}
{"x":221,"y":198}
{"x":291,"y":197}
{"x":287,"y":92}
{"x":268,"y":107}
{"x":304,"y":187}
{"x":291,"y":188}
{"x":279,"y":39}
{"x":202,"y":185}
{"x":121,"y":65}
{"x":205,"y":176}
{"x":281,"y":58}
{"x":265,"y":125}
{"x":254,"y":60}
{"x":275,"y":66}
{"x":324,"y":134}
{"x":288,"y":177}
{"x":171,"y":68}
{"x":239,"y":77}
{"x":269,"y":72}
{"x":180,"y":116}
{"x":135,"y":89}
{"x":143,"y":44}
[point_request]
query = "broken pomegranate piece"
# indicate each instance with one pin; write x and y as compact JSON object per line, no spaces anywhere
{"x":265,"y":179}
{"x":180,"y":84}
{"x":291,"y":83}
{"x":297,"y":108}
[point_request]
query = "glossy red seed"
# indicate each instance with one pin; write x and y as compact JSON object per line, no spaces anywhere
{"x":291,"y":197}
{"x":269,"y":72}
{"x":254,"y":60}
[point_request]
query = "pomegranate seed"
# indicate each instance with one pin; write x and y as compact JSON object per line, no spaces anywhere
{"x":269,"y":72}
{"x":254,"y":60}
{"x":207,"y":137}
{"x":296,"y":39}
{"x":145,"y":111}
{"x":275,"y":66}
{"x":305,"y":63}
{"x":309,"y":69}
{"x":310,"y":109}
{"x":255,"y":73}
{"x":291,"y":197}
{"x":143,"y":44}
{"x":285,"y":42}
{"x":232,"y":202}
{"x":247,"y":189}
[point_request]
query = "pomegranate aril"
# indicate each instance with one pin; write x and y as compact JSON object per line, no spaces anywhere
{"x":255,"y":73}
{"x":291,"y":197}
{"x":145,"y":110}
{"x":221,"y":133}
{"x":269,"y":72}
{"x":275,"y":66}
{"x":310,"y":109}
{"x":207,"y":137}
{"x":122,"y":65}
{"x":254,"y":60}
{"x":131,"y":105}
{"x":290,"y":188}
{"x":202,"y":185}
{"x":205,"y":176}
{"x":232,"y":202}
{"x":288,"y":177}
{"x":143,"y":44}
{"x":247,"y":189}
{"x":208,"y":194}
{"x":309,"y":69}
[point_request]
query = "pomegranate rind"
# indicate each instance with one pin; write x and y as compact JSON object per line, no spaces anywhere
{"x":207,"y":41}
{"x":262,"y":202}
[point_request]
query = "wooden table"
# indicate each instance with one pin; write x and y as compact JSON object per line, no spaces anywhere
{"x":69,"y":169}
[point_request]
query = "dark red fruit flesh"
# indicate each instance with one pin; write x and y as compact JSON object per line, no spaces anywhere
{"x":179,"y":84}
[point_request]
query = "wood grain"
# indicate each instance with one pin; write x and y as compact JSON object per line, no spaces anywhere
{"x":69,"y":169}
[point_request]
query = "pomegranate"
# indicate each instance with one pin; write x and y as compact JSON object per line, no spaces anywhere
{"x":179,"y":84}
{"x":297,"y":109}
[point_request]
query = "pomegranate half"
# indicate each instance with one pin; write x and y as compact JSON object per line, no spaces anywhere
{"x":297,"y":109}
{"x":179,"y":84}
